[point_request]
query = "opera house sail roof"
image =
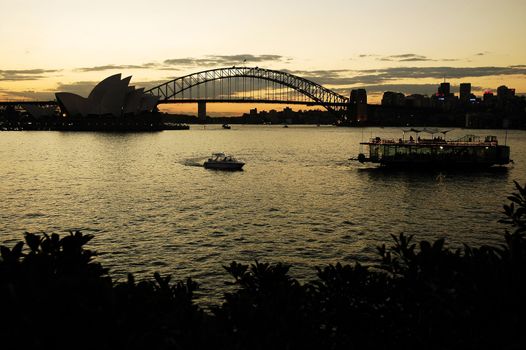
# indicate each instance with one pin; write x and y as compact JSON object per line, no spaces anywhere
{"x":112,"y":96}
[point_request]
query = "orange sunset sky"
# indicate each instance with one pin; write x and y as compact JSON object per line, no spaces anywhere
{"x":381,"y":45}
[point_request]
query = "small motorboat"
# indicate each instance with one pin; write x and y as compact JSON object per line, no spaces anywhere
{"x":223,"y":161}
{"x":226,"y":126}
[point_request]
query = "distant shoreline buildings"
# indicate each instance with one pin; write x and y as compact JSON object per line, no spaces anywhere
{"x":503,"y":110}
{"x":446,"y":100}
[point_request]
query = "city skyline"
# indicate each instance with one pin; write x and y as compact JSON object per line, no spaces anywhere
{"x":380,"y":46}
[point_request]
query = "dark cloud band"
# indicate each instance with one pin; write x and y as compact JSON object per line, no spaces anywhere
{"x":221,"y":60}
{"x":25,"y":74}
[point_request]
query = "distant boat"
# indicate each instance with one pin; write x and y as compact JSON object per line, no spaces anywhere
{"x":178,"y":126}
{"x":285,"y":126}
{"x":223,"y":161}
{"x":469,"y":151}
{"x":226,"y":126}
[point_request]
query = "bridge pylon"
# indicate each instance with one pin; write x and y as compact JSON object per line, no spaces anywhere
{"x":201,"y":111}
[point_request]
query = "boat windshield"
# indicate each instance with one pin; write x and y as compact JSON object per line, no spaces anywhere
{"x":221,"y":157}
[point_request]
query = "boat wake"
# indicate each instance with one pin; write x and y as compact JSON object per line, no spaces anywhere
{"x":194,"y":161}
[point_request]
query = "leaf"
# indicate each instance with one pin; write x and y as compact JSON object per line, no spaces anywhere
{"x":5,"y":253}
{"x":33,"y":241}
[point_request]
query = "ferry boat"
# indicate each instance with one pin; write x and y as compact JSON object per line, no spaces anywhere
{"x":469,"y":151}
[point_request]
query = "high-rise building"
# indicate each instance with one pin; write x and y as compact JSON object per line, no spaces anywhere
{"x":359,"y":103}
{"x":503,"y":92}
{"x":358,"y":96}
{"x":391,"y":98}
{"x":488,"y":96}
{"x":444,"y":89}
{"x":465,"y":92}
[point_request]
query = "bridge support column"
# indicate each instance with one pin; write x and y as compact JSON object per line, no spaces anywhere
{"x":201,"y":111}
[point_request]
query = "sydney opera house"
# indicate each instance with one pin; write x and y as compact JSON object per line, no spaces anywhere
{"x":110,"y":97}
{"x":111,"y":105}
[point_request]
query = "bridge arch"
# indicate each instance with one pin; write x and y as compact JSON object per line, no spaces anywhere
{"x":168,"y":92}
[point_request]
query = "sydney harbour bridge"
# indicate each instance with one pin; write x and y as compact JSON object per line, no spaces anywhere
{"x":241,"y":85}
{"x":249,"y":85}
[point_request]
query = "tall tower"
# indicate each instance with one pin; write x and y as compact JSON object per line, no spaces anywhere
{"x":444,"y":89}
{"x":465,"y":92}
{"x":359,"y":103}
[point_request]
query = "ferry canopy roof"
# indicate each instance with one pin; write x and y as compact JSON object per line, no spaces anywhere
{"x":428,"y":130}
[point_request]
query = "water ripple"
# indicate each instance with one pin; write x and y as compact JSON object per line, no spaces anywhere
{"x":152,"y":207}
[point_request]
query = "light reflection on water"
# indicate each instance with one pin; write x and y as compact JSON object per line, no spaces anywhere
{"x":153,"y":207}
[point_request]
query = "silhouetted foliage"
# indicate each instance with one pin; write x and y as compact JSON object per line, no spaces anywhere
{"x":268,"y":310}
{"x":419,"y":295}
{"x":55,"y":296}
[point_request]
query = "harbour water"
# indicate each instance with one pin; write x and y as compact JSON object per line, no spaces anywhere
{"x":152,"y":206}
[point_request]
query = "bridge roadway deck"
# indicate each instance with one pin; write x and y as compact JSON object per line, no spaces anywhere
{"x":188,"y":100}
{"x":245,"y":100}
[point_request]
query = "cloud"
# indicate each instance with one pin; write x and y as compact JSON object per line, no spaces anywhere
{"x":317,"y":74}
{"x":185,"y":62}
{"x":250,"y":58}
{"x":411,"y":57}
{"x":224,"y":60}
{"x":337,"y":77}
{"x":114,"y":67}
{"x":27,"y":95}
{"x":152,"y":83}
{"x":395,"y":73}
{"x":82,"y":88}
{"x":330,"y":77}
{"x":415,"y":59}
{"x":406,"y":57}
{"x":25,"y":74}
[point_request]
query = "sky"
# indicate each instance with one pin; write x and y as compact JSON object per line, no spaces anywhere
{"x":407,"y":46}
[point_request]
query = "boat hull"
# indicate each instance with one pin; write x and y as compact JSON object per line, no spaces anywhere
{"x":223,"y":165}
{"x":439,"y":165}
